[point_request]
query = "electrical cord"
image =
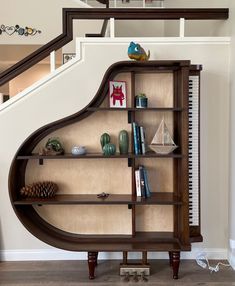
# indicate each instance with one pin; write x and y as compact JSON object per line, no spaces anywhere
{"x":201,"y":263}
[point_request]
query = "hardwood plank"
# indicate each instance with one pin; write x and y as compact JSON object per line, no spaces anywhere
{"x":71,"y":273}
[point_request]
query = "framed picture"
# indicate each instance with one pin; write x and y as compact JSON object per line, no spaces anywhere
{"x":117,"y":94}
{"x":68,"y":56}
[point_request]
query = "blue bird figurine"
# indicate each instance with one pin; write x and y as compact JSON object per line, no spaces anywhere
{"x":136,"y":52}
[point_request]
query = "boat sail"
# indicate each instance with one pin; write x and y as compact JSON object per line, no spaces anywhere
{"x":162,"y":142}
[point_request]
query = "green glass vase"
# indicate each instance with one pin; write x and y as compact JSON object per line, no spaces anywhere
{"x":109,"y":149}
{"x":123,"y":142}
{"x":104,"y":139}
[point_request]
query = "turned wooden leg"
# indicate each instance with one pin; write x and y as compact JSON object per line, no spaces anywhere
{"x":175,"y":263}
{"x":124,"y":257}
{"x":144,"y":257}
{"x":92,"y":256}
{"x":96,"y":258}
{"x":170,"y":258}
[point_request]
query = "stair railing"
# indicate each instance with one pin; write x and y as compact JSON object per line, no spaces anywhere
{"x":70,"y":14}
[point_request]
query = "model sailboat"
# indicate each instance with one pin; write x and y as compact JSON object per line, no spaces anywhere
{"x":162,"y":142}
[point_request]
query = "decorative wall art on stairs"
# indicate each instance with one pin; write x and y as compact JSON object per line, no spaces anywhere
{"x":68,"y":56}
{"x":17,"y":29}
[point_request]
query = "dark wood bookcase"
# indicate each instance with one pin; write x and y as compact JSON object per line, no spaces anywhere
{"x":140,"y":217}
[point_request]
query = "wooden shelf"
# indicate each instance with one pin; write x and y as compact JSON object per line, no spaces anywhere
{"x":70,"y":156}
{"x":120,"y":247}
{"x":141,"y":241}
{"x":160,"y":109}
{"x":96,"y":156}
{"x":155,"y":199}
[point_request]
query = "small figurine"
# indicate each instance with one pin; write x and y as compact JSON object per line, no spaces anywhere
{"x":136,"y":52}
{"x":78,"y":150}
{"x":53,"y":147}
{"x":102,"y":195}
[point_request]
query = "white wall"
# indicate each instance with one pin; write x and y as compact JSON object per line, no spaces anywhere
{"x":16,"y":124}
{"x":232,"y":140}
{"x":194,"y":27}
{"x":27,"y":78}
{"x":44,"y":15}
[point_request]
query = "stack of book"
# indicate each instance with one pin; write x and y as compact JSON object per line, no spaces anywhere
{"x":141,"y":182}
{"x":139,"y":139}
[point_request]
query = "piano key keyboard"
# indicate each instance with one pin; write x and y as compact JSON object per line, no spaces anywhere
{"x":194,"y":150}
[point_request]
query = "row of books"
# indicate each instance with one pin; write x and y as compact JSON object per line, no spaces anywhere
{"x":142,"y":184}
{"x":139,"y":139}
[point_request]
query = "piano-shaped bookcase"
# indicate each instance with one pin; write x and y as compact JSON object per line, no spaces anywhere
{"x":75,"y":219}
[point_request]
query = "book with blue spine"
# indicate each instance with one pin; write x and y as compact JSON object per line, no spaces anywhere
{"x":138,"y":139}
{"x":142,"y":140}
{"x":142,"y":182}
{"x":135,"y":138}
{"x":147,"y":188}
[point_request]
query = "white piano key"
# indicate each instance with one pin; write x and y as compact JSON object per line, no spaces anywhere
{"x":193,"y":150}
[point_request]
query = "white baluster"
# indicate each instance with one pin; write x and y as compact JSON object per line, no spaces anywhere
{"x":112,"y":28}
{"x":182,"y":26}
{"x":52,"y":61}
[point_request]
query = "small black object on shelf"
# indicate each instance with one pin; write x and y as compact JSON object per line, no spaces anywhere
{"x":102,"y":195}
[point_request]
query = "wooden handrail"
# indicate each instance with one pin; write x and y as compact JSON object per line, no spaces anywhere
{"x":69,"y":14}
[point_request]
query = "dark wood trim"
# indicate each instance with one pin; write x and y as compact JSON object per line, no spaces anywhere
{"x":159,"y":109}
{"x":184,"y":185}
{"x":69,"y":14}
{"x":149,"y":154}
{"x":150,"y":14}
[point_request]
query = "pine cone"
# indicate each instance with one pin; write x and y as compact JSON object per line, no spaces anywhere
{"x":39,"y":190}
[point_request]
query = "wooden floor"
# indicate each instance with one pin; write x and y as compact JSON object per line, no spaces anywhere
{"x":71,"y":273}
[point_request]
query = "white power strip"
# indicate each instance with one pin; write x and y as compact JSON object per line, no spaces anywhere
{"x":201,"y":263}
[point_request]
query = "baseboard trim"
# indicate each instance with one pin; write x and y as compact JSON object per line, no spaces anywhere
{"x":231,"y":259}
{"x":56,"y":254}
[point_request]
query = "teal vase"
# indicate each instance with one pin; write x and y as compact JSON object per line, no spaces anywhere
{"x":123,"y":142}
{"x":104,"y":139}
{"x":109,"y":149}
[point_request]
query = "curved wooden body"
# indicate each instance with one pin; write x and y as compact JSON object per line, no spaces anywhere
{"x":176,"y":240}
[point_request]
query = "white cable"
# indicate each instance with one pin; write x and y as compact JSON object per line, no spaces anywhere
{"x":201,"y":263}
